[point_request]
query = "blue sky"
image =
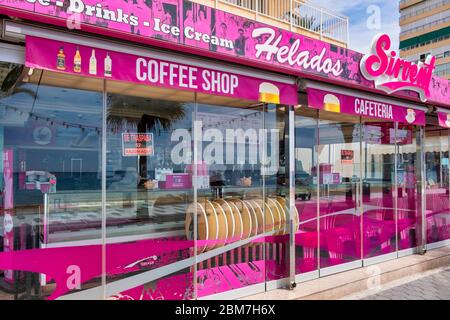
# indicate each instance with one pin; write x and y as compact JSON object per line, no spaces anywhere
{"x":356,"y":10}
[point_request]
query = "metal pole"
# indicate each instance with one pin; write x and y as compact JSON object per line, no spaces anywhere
{"x":264,"y":109}
{"x":256,"y":9}
{"x":291,"y":16}
{"x":420,"y":172}
{"x":290,"y":169}
{"x":396,"y":155}
{"x":321,"y":23}
{"x":104,"y":141}
{"x":347,"y":38}
{"x":196,"y":138}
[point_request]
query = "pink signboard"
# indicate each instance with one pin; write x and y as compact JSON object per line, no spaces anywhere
{"x":94,"y":62}
{"x":190,"y":27}
{"x":8,"y":207}
{"x":392,"y":73}
{"x":8,"y":184}
{"x":335,"y":102}
{"x":444,"y":119}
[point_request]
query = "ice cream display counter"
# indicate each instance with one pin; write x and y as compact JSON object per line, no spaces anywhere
{"x":131,"y":215}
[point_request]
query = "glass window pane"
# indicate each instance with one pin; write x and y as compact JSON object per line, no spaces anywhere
{"x":149,"y":193}
{"x":437,"y":183}
{"x":50,"y":143}
{"x":230,"y":194}
{"x":306,"y":238}
{"x":276,"y":192}
{"x":338,"y":175}
{"x":407,"y":195}
{"x":378,"y":189}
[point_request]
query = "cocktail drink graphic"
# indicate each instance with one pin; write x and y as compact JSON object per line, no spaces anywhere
{"x":447,"y":122}
{"x":331,"y":103}
{"x":269,"y":93}
{"x":411,"y":115}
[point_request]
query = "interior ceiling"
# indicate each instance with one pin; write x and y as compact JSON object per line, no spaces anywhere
{"x":5,"y":68}
{"x":143,"y":95}
{"x":57,"y":79}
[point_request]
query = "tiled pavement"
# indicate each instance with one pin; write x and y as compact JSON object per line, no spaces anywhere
{"x":430,"y":287}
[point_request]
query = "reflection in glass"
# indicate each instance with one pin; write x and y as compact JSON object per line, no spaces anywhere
{"x":149,"y":191}
{"x":276,"y":191}
{"x":50,"y":144}
{"x":306,"y":238}
{"x":338,"y":175}
{"x":229,"y":149}
{"x":407,"y":192}
{"x":437,"y":183}
{"x":378,"y":189}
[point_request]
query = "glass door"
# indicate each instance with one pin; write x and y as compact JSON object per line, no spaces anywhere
{"x":436,"y":150}
{"x":306,"y":200}
{"x":408,"y":194}
{"x":339,"y":176}
{"x":230,"y":191}
{"x":276,"y":194}
{"x":150,"y":245}
{"x":242,"y":242}
{"x":378,"y":189}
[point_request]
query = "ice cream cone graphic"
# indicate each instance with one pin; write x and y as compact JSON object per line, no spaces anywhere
{"x":269,"y":93}
{"x":331,"y":103}
{"x":447,"y":122}
{"x":411,"y":115}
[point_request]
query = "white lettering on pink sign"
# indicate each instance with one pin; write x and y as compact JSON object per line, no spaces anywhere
{"x":172,"y":74}
{"x":392,"y":74}
{"x":291,"y":54}
{"x":373,"y":109}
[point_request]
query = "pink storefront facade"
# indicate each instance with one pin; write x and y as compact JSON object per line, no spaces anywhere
{"x":168,"y":150}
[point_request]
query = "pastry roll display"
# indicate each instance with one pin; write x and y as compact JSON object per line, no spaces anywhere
{"x":213,"y":225}
{"x":282,"y":202}
{"x":222,"y":225}
{"x":221,"y":222}
{"x":276,"y":215}
{"x":282,"y":215}
{"x":259,"y":213}
{"x":229,"y":216}
{"x":247,"y":221}
{"x":239,"y":229}
{"x":202,"y":224}
{"x":253,"y":215}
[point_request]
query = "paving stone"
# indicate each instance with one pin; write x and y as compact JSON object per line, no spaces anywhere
{"x":433,"y":287}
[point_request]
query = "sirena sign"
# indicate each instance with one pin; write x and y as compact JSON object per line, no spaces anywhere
{"x":392,"y":74}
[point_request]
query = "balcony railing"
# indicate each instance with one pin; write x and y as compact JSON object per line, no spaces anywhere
{"x":300,"y":14}
{"x":425,"y":26}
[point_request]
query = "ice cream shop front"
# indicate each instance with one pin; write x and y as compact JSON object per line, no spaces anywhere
{"x":168,"y":150}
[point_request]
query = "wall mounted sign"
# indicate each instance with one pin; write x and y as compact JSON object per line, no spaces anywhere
{"x":190,"y":27}
{"x":444,"y":119}
{"x":335,"y":102}
{"x":137,"y":144}
{"x":347,"y":156}
{"x":391,"y":73}
{"x":94,"y":62}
